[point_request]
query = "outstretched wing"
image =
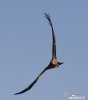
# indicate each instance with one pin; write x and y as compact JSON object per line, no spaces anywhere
{"x":32,"y":84}
{"x":53,"y":36}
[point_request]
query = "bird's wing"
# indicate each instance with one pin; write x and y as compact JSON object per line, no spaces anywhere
{"x":32,"y":84}
{"x":47,"y":16}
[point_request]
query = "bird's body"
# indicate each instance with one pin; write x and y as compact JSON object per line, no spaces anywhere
{"x":53,"y":63}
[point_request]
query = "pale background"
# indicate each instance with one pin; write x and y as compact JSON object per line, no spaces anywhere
{"x":25,"y":48}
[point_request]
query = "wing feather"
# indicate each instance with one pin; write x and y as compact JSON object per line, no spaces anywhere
{"x":32,"y":84}
{"x":47,"y":16}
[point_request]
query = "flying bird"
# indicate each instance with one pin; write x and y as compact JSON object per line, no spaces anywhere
{"x":52,"y":64}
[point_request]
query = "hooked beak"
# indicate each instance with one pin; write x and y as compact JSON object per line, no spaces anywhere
{"x":60,"y":63}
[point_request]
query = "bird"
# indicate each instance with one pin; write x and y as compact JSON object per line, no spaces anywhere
{"x":54,"y":63}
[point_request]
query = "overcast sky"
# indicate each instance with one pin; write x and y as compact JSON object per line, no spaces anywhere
{"x":26,"y":44}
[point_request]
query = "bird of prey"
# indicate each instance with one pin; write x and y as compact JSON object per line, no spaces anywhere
{"x":52,"y":64}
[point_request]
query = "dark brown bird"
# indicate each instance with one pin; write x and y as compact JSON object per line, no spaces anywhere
{"x":53,"y":63}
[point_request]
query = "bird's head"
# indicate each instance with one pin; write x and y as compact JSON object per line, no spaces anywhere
{"x":60,"y":63}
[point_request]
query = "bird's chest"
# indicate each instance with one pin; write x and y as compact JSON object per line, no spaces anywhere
{"x":54,"y":62}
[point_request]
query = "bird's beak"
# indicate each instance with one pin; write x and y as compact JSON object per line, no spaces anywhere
{"x":60,"y":63}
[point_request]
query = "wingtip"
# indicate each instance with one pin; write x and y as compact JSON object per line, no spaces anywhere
{"x":46,"y":14}
{"x":16,"y":93}
{"x":19,"y":93}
